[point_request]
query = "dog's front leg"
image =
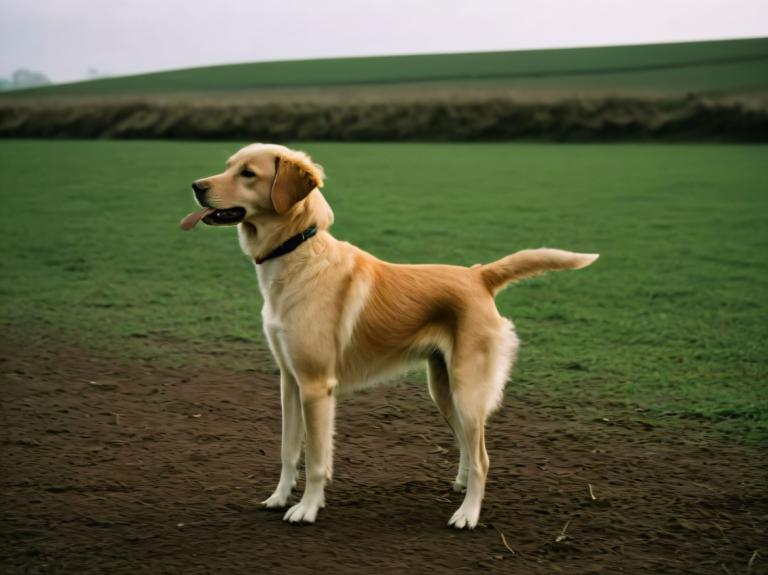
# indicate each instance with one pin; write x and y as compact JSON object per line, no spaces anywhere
{"x":318,"y":405}
{"x":293,"y":431}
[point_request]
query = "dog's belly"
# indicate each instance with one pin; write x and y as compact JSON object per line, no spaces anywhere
{"x":352,"y":380}
{"x":356,"y":371}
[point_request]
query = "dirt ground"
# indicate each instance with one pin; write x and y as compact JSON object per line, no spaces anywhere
{"x":127,"y":468}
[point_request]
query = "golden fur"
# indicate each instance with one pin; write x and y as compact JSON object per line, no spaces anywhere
{"x":337,"y":319}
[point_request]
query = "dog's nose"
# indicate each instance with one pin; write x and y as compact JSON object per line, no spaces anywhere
{"x":200,"y":189}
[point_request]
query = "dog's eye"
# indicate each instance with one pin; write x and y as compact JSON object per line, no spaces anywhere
{"x":246,"y":173}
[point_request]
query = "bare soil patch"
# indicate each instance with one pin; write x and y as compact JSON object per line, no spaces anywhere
{"x":128,"y":468}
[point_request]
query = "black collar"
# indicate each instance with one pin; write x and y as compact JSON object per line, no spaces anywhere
{"x":289,"y":245}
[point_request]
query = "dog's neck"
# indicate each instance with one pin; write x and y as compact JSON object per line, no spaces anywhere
{"x":260,"y":235}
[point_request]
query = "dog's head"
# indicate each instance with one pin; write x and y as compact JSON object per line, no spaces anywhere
{"x":261,"y":181}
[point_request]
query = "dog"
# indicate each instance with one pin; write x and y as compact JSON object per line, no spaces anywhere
{"x":338,"y":319}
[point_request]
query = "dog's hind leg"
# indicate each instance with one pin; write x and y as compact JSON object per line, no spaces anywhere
{"x":472,"y":418}
{"x":318,"y":404}
{"x":440,"y":391}
{"x":293,"y":432}
{"x":479,"y":368}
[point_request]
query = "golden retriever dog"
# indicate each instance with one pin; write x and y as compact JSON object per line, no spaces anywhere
{"x":338,"y":319}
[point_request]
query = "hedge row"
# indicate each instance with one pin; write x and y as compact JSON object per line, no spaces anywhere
{"x":481,"y":119}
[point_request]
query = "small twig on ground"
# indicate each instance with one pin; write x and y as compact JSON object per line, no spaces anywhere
{"x":438,"y":448}
{"x":728,"y":571}
{"x":707,"y":487}
{"x":385,"y":406}
{"x":755,"y":555}
{"x":504,"y":541}
{"x":563,"y":536}
{"x":719,"y":527}
{"x":591,"y":493}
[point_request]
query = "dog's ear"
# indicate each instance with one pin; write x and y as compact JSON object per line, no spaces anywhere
{"x":294,"y":179}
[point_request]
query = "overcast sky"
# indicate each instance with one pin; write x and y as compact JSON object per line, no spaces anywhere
{"x":64,"y":38}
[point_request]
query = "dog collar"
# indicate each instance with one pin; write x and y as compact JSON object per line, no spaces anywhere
{"x":289,"y":245}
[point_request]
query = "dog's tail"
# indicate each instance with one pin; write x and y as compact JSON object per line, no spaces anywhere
{"x":528,"y":263}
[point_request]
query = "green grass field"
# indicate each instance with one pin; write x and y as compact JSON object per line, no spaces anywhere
{"x":671,"y":318}
{"x":729,"y":65}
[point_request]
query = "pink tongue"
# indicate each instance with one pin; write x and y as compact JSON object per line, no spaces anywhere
{"x":191,"y":220}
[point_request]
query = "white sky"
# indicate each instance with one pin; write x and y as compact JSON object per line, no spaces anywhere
{"x":64,"y":38}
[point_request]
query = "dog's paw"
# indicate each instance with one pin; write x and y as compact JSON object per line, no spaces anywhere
{"x":277,"y":500}
{"x":303,"y":512}
{"x":466,"y":517}
{"x":459,"y":487}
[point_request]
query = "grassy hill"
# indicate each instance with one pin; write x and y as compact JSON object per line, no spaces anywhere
{"x":729,"y":65}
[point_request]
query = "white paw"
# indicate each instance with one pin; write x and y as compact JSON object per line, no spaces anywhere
{"x":466,"y":517}
{"x":305,"y":511}
{"x":277,"y":500}
{"x":459,"y":487}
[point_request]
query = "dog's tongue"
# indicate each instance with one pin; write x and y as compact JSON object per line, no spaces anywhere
{"x":191,"y":220}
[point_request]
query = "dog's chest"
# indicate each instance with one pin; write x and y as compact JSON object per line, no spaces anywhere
{"x":273,"y":326}
{"x":272,"y":318}
{"x":281,"y":302}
